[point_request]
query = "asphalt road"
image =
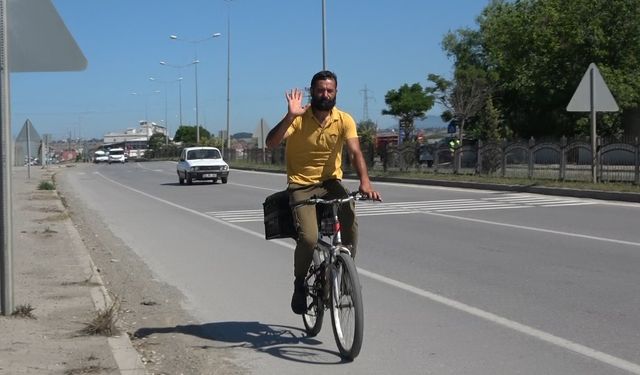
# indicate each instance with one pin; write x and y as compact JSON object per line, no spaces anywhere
{"x":455,"y":281}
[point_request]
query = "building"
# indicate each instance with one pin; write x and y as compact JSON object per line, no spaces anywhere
{"x":386,"y":138}
{"x":143,"y":132}
{"x":135,"y":141}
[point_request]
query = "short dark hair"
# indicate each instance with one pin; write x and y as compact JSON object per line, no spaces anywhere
{"x":322,"y":75}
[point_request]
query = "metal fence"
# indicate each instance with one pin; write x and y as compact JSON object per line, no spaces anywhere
{"x":562,"y":159}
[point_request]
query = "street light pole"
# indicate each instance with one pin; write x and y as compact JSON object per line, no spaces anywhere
{"x":228,"y":82}
{"x":195,"y":63}
{"x":324,"y":37}
{"x":180,"y":98}
{"x":166,"y":119}
{"x":146,"y":102}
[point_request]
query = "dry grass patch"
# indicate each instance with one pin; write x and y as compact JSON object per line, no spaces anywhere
{"x":51,"y":210}
{"x":23,"y":311}
{"x":48,"y":230}
{"x":57,"y":217}
{"x":86,"y":282}
{"x":104,"y":323}
{"x":44,"y":196}
{"x":87,"y":370}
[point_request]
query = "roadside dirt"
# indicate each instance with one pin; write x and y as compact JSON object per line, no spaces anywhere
{"x":50,"y":291}
{"x":162,"y":332}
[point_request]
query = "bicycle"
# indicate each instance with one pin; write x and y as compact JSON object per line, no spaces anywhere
{"x":332,"y":281}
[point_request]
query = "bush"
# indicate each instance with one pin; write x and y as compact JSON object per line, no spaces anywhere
{"x":46,"y":185}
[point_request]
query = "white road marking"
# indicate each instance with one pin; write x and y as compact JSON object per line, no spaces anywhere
{"x":569,"y":234}
{"x":530,"y":331}
{"x":510,"y":324}
{"x":406,"y":208}
{"x":433,"y":187}
{"x":254,"y":187}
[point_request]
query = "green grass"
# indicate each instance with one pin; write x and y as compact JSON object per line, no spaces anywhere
{"x":46,"y":185}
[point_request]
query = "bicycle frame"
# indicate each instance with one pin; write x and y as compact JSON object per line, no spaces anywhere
{"x":325,"y":284}
{"x":329,"y":228}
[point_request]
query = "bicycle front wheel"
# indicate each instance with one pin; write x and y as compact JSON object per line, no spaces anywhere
{"x":347,"y":313}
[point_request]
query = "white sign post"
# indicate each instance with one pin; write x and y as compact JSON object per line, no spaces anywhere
{"x":33,"y":38}
{"x":259,"y":133}
{"x":593,"y":95}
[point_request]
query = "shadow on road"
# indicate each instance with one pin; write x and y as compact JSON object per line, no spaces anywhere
{"x":284,"y":342}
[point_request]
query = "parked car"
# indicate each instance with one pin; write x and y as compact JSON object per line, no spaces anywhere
{"x":100,"y":157}
{"x":116,"y":155}
{"x":202,"y":163}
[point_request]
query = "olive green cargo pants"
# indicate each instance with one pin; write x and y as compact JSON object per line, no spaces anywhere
{"x":307,"y":224}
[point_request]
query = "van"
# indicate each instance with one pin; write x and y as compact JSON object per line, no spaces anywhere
{"x":116,"y":155}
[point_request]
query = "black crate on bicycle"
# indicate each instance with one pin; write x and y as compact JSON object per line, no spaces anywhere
{"x":278,"y":219}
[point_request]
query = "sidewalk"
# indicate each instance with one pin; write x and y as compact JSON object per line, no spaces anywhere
{"x":54,"y":275}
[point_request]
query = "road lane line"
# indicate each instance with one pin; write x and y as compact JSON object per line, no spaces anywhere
{"x":530,"y":331}
{"x":568,"y":234}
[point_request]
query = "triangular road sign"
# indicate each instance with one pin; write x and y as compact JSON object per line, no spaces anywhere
{"x":39,"y":41}
{"x":592,"y":82}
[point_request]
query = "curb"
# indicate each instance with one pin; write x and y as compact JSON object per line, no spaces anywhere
{"x":125,"y":355}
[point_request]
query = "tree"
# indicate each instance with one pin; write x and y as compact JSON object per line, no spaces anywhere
{"x":490,"y":125}
{"x":463,"y":97}
{"x":157,"y":140}
{"x":489,"y":130}
{"x":213,"y":142}
{"x":539,"y":50}
{"x":242,"y":135}
{"x":367,"y":131}
{"x":187,"y":134}
{"x":408,"y":103}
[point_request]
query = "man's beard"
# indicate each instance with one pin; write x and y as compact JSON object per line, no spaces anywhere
{"x":320,"y":103}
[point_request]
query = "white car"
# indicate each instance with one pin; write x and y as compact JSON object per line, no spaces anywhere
{"x":116,"y":155}
{"x":100,"y":157}
{"x":201,"y":163}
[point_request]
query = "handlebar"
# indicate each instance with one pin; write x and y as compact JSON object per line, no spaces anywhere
{"x":356,"y":195}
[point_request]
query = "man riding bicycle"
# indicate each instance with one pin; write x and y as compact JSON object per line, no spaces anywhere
{"x":315,"y":135}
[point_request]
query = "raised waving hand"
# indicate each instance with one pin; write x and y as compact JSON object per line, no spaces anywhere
{"x":294,"y":100}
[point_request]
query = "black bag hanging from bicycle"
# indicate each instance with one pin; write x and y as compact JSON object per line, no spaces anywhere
{"x":278,"y":219}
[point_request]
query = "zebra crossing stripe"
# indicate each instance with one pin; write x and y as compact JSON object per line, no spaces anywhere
{"x":405,"y":208}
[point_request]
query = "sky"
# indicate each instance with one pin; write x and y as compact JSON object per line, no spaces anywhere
{"x":275,"y":45}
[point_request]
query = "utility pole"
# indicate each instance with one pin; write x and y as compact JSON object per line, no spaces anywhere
{"x":365,"y":109}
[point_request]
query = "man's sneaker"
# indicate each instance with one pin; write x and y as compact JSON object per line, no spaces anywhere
{"x":299,"y":298}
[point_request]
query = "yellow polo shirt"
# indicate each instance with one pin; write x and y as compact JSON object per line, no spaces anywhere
{"x":314,"y":152}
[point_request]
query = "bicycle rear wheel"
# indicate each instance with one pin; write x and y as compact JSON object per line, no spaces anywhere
{"x":314,"y":316}
{"x":347,"y":313}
